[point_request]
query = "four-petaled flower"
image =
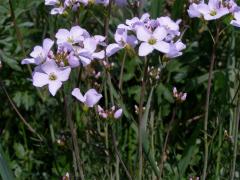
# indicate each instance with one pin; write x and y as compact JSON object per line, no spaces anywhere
{"x":152,"y":40}
{"x":51,"y":75}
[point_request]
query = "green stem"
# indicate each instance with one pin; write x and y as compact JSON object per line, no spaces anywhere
{"x":165,"y":142}
{"x":76,"y":150}
{"x":235,"y":143}
{"x":140,"y":123}
{"x":121,"y":73}
{"x":213,"y":57}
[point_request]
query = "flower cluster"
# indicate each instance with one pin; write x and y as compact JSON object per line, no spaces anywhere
{"x":215,"y":9}
{"x":60,"y":6}
{"x":75,"y":47}
{"x":179,"y":96}
{"x":111,"y":113}
{"x":150,"y":34}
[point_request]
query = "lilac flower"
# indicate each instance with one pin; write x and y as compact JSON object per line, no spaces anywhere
{"x":175,"y":49}
{"x":58,"y":6}
{"x":88,"y":52}
{"x":179,"y":96}
{"x":101,"y":112}
{"x":118,"y":113}
{"x":132,"y":23}
{"x":193,"y":10}
{"x":90,"y":98}
{"x":152,"y":40}
{"x":111,"y":113}
{"x":213,"y":10}
{"x":231,"y":5}
{"x":67,"y":38}
{"x":122,"y":40}
{"x":51,"y":75}
{"x":39,"y":53}
{"x":236,"y":21}
{"x":171,"y":26}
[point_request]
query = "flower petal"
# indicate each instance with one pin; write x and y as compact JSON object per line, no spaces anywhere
{"x":90,"y":44}
{"x":76,"y":33}
{"x":145,"y":49}
{"x":143,"y":33}
{"x":63,"y":75}
{"x":112,"y":49}
{"x":118,"y":113}
{"x":162,"y":46}
{"x":160,"y":33}
{"x":47,"y":44}
{"x":28,"y":61}
{"x":40,"y":79}
{"x":49,"y":67}
{"x":77,"y":94}
{"x":92,"y":97}
{"x":53,"y":87}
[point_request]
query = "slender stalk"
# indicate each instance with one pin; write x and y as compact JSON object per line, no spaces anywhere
{"x":213,"y":57}
{"x":121,"y":73}
{"x":140,"y":124}
{"x":20,"y":41}
{"x":235,"y":143}
{"x":119,"y":156}
{"x":30,"y":128}
{"x":218,"y":162}
{"x":166,"y":141}
{"x":76,"y":150}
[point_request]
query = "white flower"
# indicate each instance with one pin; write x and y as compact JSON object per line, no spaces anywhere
{"x":52,"y":75}
{"x":90,"y":98}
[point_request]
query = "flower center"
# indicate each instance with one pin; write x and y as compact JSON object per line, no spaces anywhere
{"x":213,"y":13}
{"x":70,"y":40}
{"x":152,"y":41}
{"x":91,"y":1}
{"x":52,"y":77}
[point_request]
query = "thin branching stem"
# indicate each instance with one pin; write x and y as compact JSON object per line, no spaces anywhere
{"x":30,"y":128}
{"x":166,"y":141}
{"x":121,"y":73}
{"x":119,"y":156}
{"x":140,"y":116}
{"x":73,"y":130}
{"x":232,"y":175}
{"x":213,"y":57}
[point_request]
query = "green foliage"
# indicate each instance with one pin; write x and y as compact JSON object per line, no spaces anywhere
{"x":47,"y":153}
